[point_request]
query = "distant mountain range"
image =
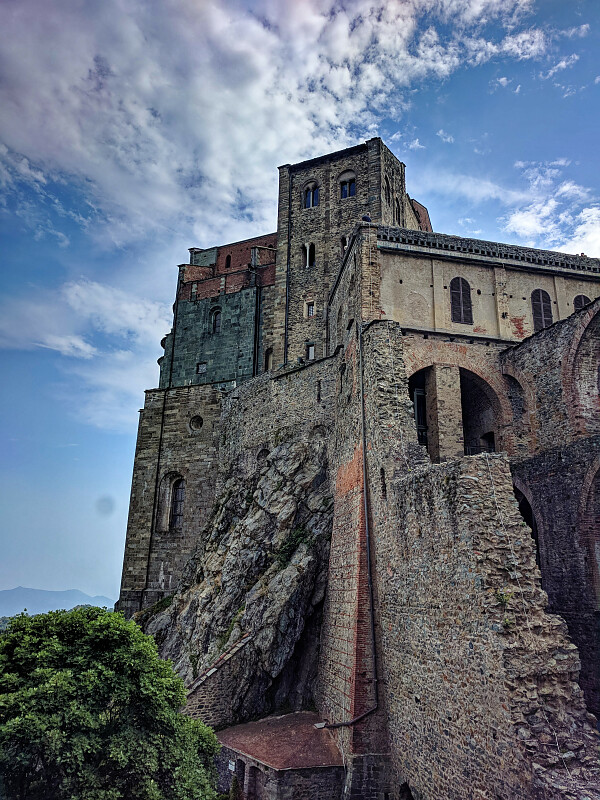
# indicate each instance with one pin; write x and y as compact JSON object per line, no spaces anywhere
{"x":38,"y":601}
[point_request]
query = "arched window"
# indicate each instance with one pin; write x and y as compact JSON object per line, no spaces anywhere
{"x":460,"y":301}
{"x":580,"y":301}
{"x":343,"y":245}
{"x":215,"y":321}
{"x":311,"y":196}
{"x":228,"y":262}
{"x":177,"y":501}
{"x":347,"y":184}
{"x":541,"y":307}
{"x":268,"y":359}
{"x":388,"y":192}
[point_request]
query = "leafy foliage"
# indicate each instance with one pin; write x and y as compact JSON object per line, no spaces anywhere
{"x":88,"y":710}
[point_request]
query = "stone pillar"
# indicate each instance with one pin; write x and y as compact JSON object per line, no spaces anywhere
{"x":502,"y":308}
{"x":439,"y":295}
{"x":444,"y":413}
{"x":562,"y":309}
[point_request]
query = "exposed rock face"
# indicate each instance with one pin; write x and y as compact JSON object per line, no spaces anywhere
{"x":260,"y":569}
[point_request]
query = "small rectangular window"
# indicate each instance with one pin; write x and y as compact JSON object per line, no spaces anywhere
{"x":200,"y":368}
{"x":310,"y":309}
{"x":310,"y":352}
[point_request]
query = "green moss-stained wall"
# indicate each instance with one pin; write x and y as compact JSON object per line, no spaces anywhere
{"x":227,"y":355}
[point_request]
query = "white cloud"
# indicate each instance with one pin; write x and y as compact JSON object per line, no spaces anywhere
{"x":504,"y":81}
{"x":68,"y":345}
{"x":160,"y":112}
{"x":445,"y":137}
{"x":597,"y":79}
{"x":415,"y":144}
{"x":585,"y":237}
{"x":559,"y":213}
{"x":564,"y":63}
{"x":578,"y":31}
{"x":108,"y":336}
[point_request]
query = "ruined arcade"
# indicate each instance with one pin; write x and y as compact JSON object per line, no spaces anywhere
{"x":365,"y":508}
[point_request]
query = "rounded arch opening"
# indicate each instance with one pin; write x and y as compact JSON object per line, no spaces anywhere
{"x":526,"y":511}
{"x":480,"y":415}
{"x":440,"y":421}
{"x":586,"y":378}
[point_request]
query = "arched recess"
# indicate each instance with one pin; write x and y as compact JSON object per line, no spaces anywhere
{"x":521,"y":394}
{"x":589,"y":613}
{"x":481,"y":414}
{"x":478,"y":424}
{"x":491,"y":382}
{"x":581,"y":374}
{"x":170,"y":485}
{"x":531,"y":516}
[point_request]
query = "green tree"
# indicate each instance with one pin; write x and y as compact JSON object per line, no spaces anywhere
{"x":88,"y":711}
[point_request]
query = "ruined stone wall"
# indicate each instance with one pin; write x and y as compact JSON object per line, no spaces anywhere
{"x":558,"y":485}
{"x":558,"y":370}
{"x":176,"y":438}
{"x":478,"y":680}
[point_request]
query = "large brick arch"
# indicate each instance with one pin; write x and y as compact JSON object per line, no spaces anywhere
{"x":580,"y":373}
{"x":589,"y":542}
{"x":589,"y":522}
{"x":530,"y":422}
{"x":464,"y":357}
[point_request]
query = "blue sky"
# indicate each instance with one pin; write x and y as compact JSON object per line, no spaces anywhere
{"x":131,"y":130}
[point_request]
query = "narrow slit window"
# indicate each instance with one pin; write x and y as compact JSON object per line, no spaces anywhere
{"x":580,"y":301}
{"x":268,"y":359}
{"x":228,"y":262}
{"x":310,"y":309}
{"x":460,"y":301}
{"x":541,"y":307}
{"x":177,"y":501}
{"x":343,"y":244}
{"x":310,"y":352}
{"x":216,"y":322}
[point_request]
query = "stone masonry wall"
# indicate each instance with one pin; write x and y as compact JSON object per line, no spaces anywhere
{"x":176,"y":437}
{"x":478,"y":680}
{"x":556,"y":484}
{"x":549,"y":367}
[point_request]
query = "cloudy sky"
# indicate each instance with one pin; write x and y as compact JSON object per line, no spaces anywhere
{"x":131,"y":130}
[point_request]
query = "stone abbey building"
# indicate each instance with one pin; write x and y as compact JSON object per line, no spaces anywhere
{"x":365,"y":509}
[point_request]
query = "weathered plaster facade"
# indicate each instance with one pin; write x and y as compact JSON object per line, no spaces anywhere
{"x":391,"y":499}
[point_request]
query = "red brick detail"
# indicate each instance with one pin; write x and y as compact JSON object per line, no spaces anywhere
{"x":574,"y":402}
{"x":241,"y":253}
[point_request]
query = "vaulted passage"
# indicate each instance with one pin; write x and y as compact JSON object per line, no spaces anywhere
{"x":456,"y":412}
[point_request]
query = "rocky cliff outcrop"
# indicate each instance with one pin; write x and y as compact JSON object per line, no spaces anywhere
{"x":259,"y":572}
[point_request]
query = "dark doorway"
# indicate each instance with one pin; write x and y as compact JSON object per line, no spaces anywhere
{"x":405,"y":792}
{"x":416,"y":388}
{"x":527,"y":513}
